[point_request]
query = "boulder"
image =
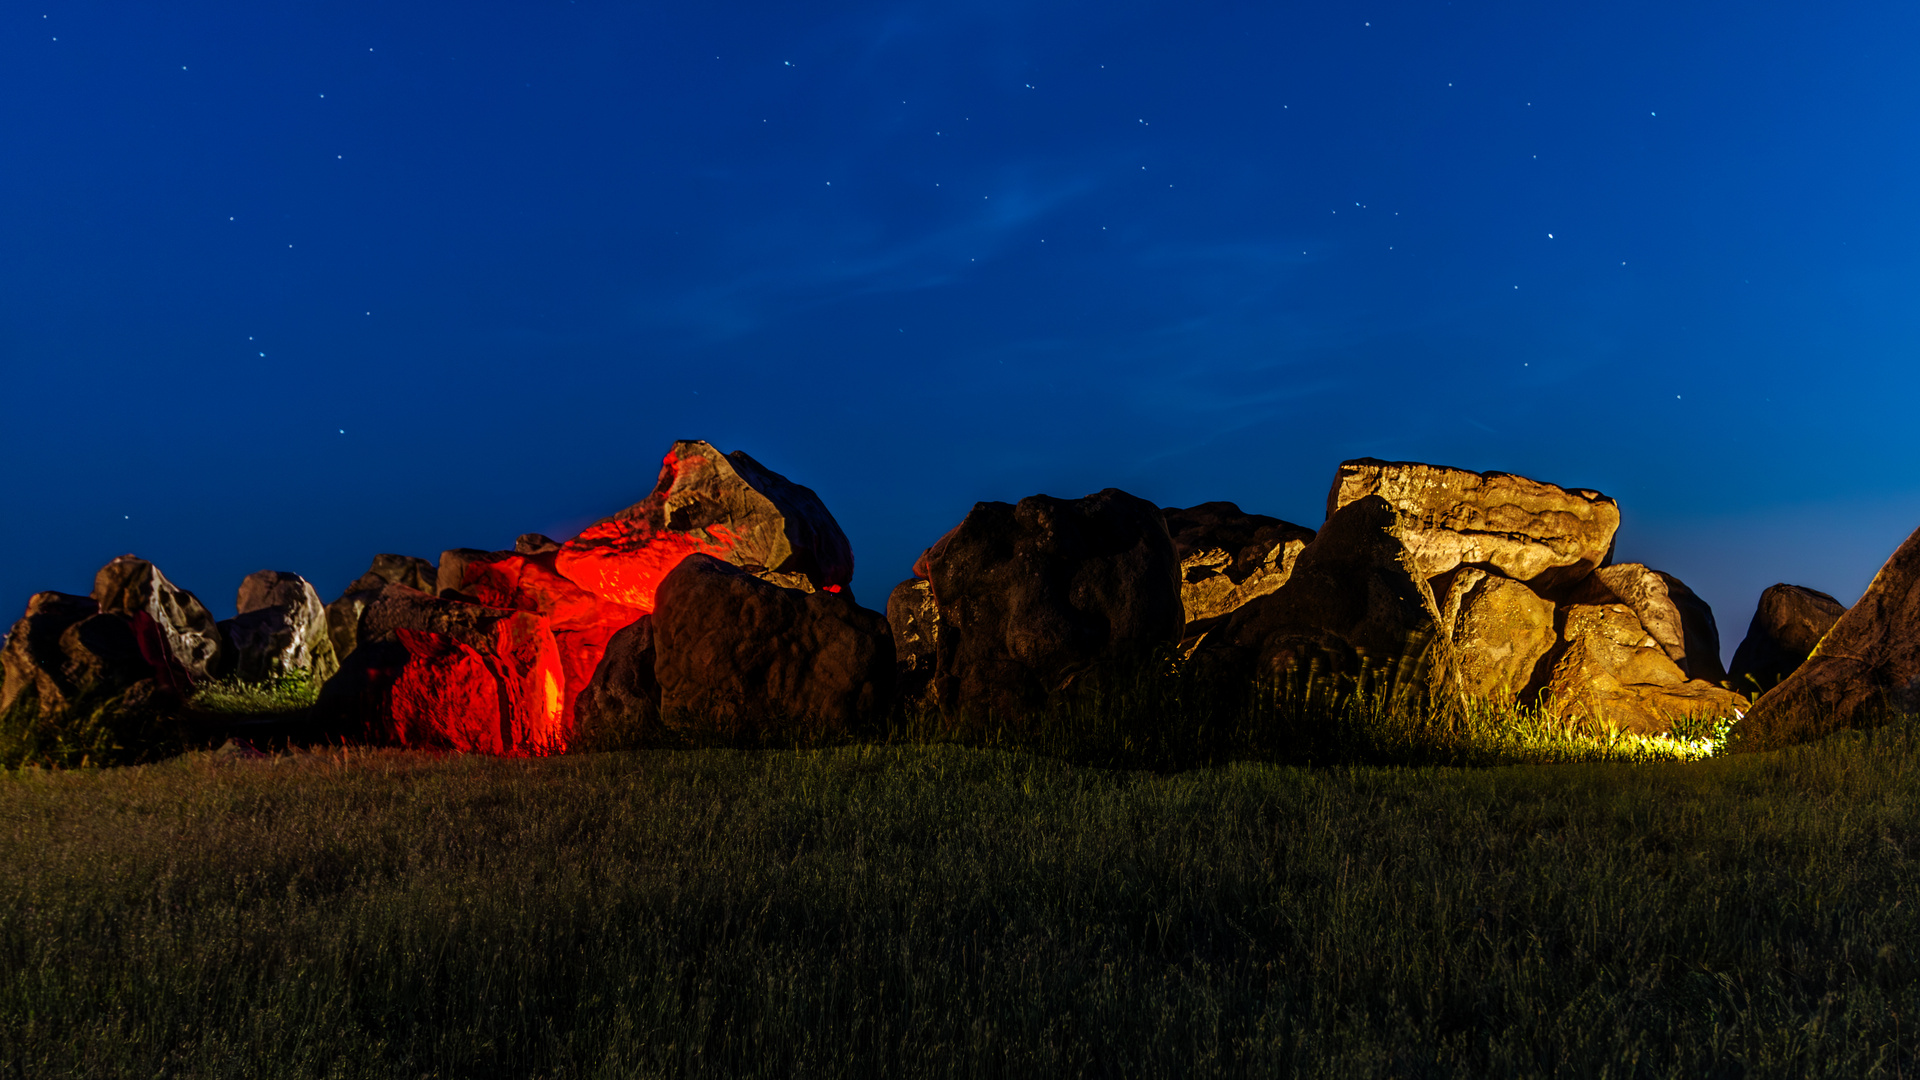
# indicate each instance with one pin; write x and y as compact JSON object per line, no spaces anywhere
{"x":620,"y":708}
{"x":444,"y":674}
{"x":1032,"y":596}
{"x":740,"y":660}
{"x":1228,"y":557}
{"x":1546,"y":536}
{"x":1679,"y":621}
{"x":915,"y":621}
{"x":1615,"y":673}
{"x":1865,"y":668}
{"x":343,"y":615}
{"x":534,"y":544}
{"x":62,"y":651}
{"x":281,"y":628}
{"x":725,"y":505}
{"x":177,"y":634}
{"x":1788,"y":622}
{"x":1501,"y":631}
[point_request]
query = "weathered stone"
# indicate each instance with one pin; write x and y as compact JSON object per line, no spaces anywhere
{"x":915,"y":620}
{"x":1032,"y":596}
{"x":1788,"y":622}
{"x":433,"y":672}
{"x":1678,"y":620}
{"x":1865,"y":668}
{"x":177,"y":635}
{"x":725,"y":505}
{"x":281,"y":628}
{"x":1615,"y":673}
{"x":1546,"y":536}
{"x":1501,"y":633}
{"x":343,"y":615}
{"x":620,"y":708}
{"x":63,"y":650}
{"x":741,"y":660}
{"x":535,"y":544}
{"x":1228,"y":557}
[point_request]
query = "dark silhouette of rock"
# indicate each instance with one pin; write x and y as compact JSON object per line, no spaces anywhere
{"x":1788,"y":622}
{"x":1866,"y":667}
{"x":1671,"y":613}
{"x":281,"y":628}
{"x":1228,"y":557}
{"x":1034,"y":595}
{"x":440,"y":673}
{"x":1616,"y":673}
{"x":1546,"y":536}
{"x":725,"y":505}
{"x":177,"y":635}
{"x":740,"y":660}
{"x":63,"y":651}
{"x":535,"y":544}
{"x":343,"y":615}
{"x":620,"y":708}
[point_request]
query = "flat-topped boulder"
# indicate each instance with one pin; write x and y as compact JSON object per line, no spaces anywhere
{"x":1228,"y":557}
{"x":1787,"y":623}
{"x":1533,"y":532}
{"x":1865,"y":668}
{"x":1033,"y":595}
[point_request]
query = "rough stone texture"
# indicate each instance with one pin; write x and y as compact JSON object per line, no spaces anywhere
{"x":177,"y":635}
{"x":1678,"y":620}
{"x":1547,"y":536}
{"x":1228,"y":557}
{"x":915,"y":620}
{"x":62,"y":650}
{"x":1348,"y":605}
{"x":620,"y":708}
{"x":1867,"y":664}
{"x":725,"y":505}
{"x":343,"y":615}
{"x":432,"y":672}
{"x":1615,"y":672}
{"x":534,"y":544}
{"x":1501,"y":633}
{"x":739,"y":659}
{"x":1788,"y":622}
{"x":281,"y":628}
{"x":1031,"y":596}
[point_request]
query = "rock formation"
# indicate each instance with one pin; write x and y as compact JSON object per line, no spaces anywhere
{"x":1031,"y":596}
{"x":281,"y":628}
{"x":343,"y":615}
{"x":620,"y":708}
{"x":1228,"y":557}
{"x":1866,"y":667}
{"x":1502,"y":632}
{"x":1788,"y":622}
{"x":177,"y":635}
{"x":1614,"y":671}
{"x":63,"y":650}
{"x":740,"y":660}
{"x":1679,"y":621}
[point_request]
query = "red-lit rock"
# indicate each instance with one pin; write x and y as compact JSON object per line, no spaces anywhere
{"x":441,"y":673}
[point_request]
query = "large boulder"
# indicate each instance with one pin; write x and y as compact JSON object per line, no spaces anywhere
{"x":739,"y":660}
{"x":1677,"y":619}
{"x":445,"y":674}
{"x":1502,"y":632}
{"x":1788,"y":622}
{"x":1615,"y":673}
{"x":343,"y":615}
{"x":725,"y":505}
{"x":63,"y":651}
{"x":1549,"y":537}
{"x":620,"y":708}
{"x":177,"y":634}
{"x":1034,"y":595}
{"x":1864,"y":669}
{"x":281,"y":628}
{"x":1228,"y":557}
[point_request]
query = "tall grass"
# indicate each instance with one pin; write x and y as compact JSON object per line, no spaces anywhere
{"x":945,"y":911}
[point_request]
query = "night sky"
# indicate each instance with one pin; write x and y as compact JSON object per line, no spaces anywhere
{"x":283,"y":285}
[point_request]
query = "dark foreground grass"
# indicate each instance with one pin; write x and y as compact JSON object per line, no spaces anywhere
{"x":945,"y":911}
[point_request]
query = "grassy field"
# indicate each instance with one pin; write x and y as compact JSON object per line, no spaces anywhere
{"x":952,"y":911}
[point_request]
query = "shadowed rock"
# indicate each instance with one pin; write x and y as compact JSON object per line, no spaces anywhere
{"x":343,"y":615}
{"x":281,"y":628}
{"x":63,"y":650}
{"x":177,"y":635}
{"x":1228,"y":557}
{"x":620,"y":708}
{"x":1866,"y":666}
{"x":1787,"y":623}
{"x":1034,"y":595}
{"x":915,"y":621}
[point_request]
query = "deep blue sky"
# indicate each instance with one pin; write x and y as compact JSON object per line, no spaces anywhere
{"x":498,"y":256}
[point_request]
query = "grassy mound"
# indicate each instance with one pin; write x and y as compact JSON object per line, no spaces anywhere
{"x":947,"y":911}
